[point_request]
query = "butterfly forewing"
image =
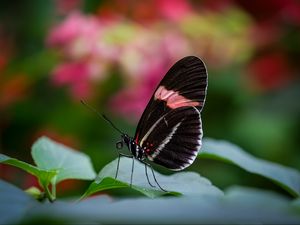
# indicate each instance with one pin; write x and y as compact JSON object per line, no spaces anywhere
{"x":170,"y":128}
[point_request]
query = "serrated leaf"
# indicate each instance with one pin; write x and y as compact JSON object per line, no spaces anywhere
{"x":44,"y":175}
{"x":186,"y":183}
{"x":70,"y":164}
{"x":287,"y":178}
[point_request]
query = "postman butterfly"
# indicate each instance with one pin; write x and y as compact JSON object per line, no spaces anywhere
{"x":169,"y":132}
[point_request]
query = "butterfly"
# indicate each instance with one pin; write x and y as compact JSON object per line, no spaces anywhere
{"x":169,"y":132}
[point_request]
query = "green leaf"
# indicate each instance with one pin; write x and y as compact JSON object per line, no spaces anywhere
{"x":55,"y":162}
{"x":45,"y":176}
{"x":186,"y":183}
{"x":238,"y":206}
{"x":70,"y":164}
{"x":287,"y":178}
{"x":296,"y":204}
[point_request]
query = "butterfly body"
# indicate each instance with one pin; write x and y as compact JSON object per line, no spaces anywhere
{"x":134,"y":148}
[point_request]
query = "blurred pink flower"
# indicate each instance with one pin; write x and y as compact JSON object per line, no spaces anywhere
{"x":74,"y":74}
{"x":175,"y":45}
{"x":74,"y":26}
{"x":92,"y":46}
{"x":174,"y":10}
{"x":147,"y":11}
{"x":66,"y":31}
{"x":79,"y":38}
{"x":70,"y":73}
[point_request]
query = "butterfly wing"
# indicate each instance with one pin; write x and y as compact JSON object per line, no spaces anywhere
{"x":170,"y":128}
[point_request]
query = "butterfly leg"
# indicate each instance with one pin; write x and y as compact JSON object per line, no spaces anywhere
{"x":147,"y":176}
{"x":132,"y":167}
{"x":119,"y":157}
{"x":147,"y":164}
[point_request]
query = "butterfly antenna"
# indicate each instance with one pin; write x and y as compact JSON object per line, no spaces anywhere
{"x":101,"y":115}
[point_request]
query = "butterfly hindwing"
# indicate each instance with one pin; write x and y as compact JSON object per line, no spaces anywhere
{"x":173,"y":115}
{"x":174,"y":140}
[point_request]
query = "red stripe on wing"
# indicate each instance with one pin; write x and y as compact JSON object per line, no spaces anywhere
{"x":173,"y":98}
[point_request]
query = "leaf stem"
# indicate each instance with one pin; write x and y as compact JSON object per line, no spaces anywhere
{"x":53,"y":187}
{"x":48,"y":193}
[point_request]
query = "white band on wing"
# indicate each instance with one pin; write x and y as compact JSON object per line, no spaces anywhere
{"x":150,"y":130}
{"x":164,"y":142}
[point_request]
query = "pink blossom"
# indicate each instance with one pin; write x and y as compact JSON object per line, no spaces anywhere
{"x":74,"y":26}
{"x":175,"y":45}
{"x":81,"y":90}
{"x":66,"y":31}
{"x":174,"y":10}
{"x":70,"y":73}
{"x":80,"y":38}
{"x":75,"y":75}
{"x":92,"y":46}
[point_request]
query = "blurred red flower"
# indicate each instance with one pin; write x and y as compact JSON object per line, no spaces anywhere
{"x":270,"y":71}
{"x":18,"y":176}
{"x":275,"y":10}
{"x":174,"y":10}
{"x":13,"y":89}
{"x":146,"y":11}
{"x":66,"y":6}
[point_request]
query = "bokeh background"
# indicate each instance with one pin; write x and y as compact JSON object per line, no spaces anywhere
{"x":112,"y":54}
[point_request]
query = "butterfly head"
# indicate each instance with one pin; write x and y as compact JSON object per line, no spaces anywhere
{"x":125,"y":139}
{"x":132,"y":146}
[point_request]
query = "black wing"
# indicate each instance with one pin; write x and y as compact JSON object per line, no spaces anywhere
{"x":171,"y":121}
